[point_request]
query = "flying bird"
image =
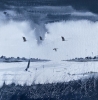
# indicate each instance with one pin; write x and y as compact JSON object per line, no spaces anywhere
{"x":55,"y":49}
{"x":24,"y":39}
{"x":63,"y":39}
{"x":41,"y":38}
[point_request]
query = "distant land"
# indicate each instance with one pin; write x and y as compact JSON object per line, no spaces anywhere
{"x":86,"y":59}
{"x":18,"y":59}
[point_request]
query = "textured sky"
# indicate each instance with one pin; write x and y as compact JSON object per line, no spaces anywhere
{"x":76,"y":20}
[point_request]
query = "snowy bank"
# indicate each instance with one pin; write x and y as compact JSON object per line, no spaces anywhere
{"x":46,"y":72}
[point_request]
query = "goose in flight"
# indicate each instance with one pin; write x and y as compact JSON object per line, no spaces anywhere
{"x":41,"y":38}
{"x":55,"y":49}
{"x":63,"y":39}
{"x":24,"y":39}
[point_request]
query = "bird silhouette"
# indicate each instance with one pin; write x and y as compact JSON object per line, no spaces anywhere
{"x":24,"y":39}
{"x":55,"y":49}
{"x":63,"y":39}
{"x":41,"y":38}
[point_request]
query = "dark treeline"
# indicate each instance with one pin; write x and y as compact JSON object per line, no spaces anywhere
{"x":75,"y":90}
{"x":18,"y":59}
{"x":86,"y":59}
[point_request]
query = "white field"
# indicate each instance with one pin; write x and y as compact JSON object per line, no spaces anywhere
{"x":45,"y":72}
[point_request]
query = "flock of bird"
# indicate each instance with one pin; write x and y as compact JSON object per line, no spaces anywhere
{"x":41,"y":39}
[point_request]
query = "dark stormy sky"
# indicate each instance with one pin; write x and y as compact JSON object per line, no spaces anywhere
{"x":91,"y":5}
